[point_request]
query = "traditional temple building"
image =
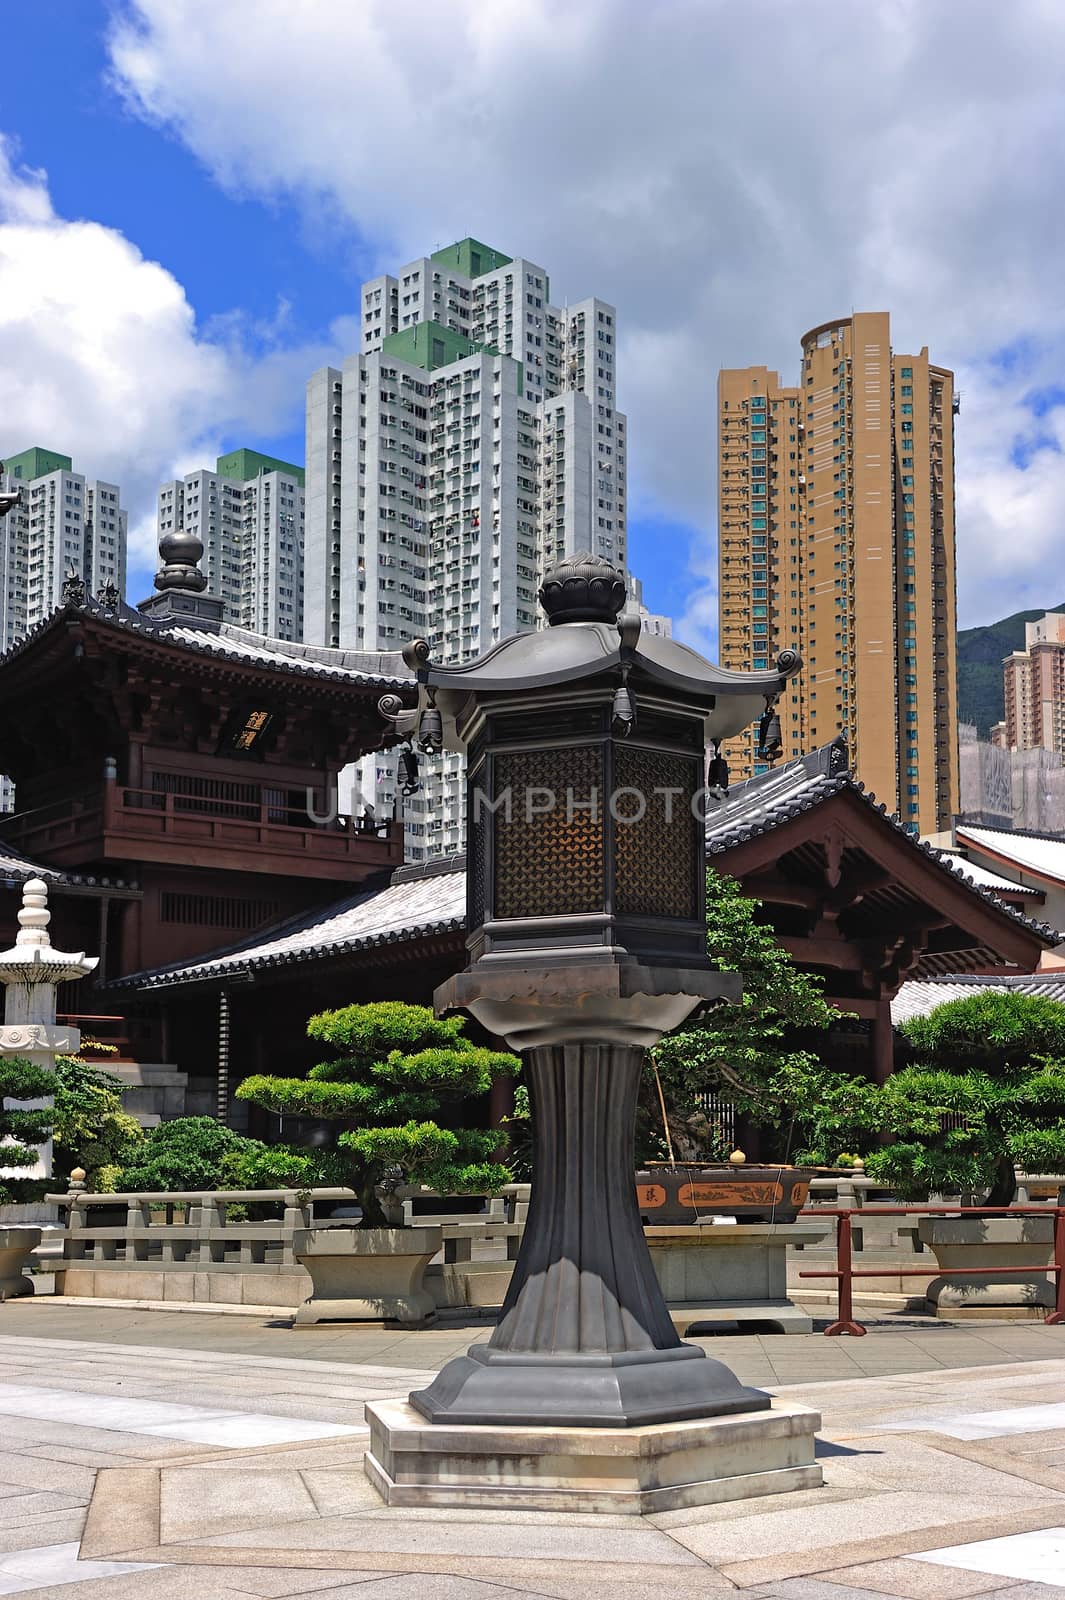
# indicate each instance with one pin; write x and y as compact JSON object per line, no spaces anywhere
{"x":175,"y":783}
{"x":852,"y":895}
{"x":176,"y":779}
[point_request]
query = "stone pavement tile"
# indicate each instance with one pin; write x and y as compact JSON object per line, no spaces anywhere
{"x":162,"y":1583}
{"x":36,"y":1503}
{"x":46,"y":1566}
{"x":874,"y":1527}
{"x":914,"y":1580}
{"x":467,"y":1540}
{"x":21,"y":1472}
{"x":428,"y":1586}
{"x":39,"y":1431}
{"x":766,"y":1505}
{"x":809,"y":1589}
{"x":266,"y":1582}
{"x":341,"y":1491}
{"x":124,"y":1512}
{"x":199,"y":1505}
{"x":1025,"y":1591}
{"x":53,"y":1527}
{"x":916,"y":1463}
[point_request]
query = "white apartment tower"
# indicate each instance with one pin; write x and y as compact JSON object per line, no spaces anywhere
{"x":249,"y":514}
{"x":471,"y":442}
{"x":65,"y":524}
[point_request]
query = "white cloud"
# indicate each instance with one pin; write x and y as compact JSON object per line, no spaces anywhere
{"x":103,"y":357}
{"x":728,"y":175}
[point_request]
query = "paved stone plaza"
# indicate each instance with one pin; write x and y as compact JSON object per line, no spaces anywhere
{"x":164,"y":1454}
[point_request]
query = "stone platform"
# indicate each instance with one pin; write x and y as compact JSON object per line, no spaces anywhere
{"x":668,"y":1466}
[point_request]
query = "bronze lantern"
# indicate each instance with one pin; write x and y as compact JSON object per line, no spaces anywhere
{"x":586,"y":749}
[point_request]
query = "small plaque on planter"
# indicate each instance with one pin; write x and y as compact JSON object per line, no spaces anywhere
{"x":683,"y":1194}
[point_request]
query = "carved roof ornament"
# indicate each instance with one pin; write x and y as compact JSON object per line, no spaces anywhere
{"x":180,"y":553}
{"x":73,"y":592}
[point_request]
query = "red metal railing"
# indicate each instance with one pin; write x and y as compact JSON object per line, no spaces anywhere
{"x":845,"y":1270}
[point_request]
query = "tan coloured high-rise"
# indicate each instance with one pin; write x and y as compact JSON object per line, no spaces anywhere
{"x":836,"y":538}
{"x":1034,"y":685}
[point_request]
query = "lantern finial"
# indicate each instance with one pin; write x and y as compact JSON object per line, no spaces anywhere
{"x":583,"y":588}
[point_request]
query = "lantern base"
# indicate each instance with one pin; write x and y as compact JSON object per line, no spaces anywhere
{"x":629,"y":1389}
{"x":639,"y":1471}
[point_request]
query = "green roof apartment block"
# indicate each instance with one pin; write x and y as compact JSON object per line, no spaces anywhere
{"x":240,"y":466}
{"x":471,"y":258}
{"x":430,"y":345}
{"x":37,"y":463}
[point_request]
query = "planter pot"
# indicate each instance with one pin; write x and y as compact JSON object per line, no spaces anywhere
{"x":16,"y":1246}
{"x":731,"y":1274}
{"x":682,"y":1194}
{"x":1026,"y":1243}
{"x":367,"y":1274}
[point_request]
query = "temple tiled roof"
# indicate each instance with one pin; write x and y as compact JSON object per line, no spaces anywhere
{"x":919,"y":996}
{"x":767,"y":801}
{"x":1028,"y":852}
{"x":413,"y":905}
{"x":376,"y":668}
{"x":985,"y":879}
{"x":15,"y":868}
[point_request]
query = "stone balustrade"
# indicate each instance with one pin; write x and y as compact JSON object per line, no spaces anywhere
{"x":187,"y":1245}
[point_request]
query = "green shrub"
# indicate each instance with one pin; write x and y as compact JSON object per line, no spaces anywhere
{"x":393,"y":1067}
{"x":21,"y":1079}
{"x":90,"y":1129}
{"x":188,"y":1153}
{"x":742,"y":1053}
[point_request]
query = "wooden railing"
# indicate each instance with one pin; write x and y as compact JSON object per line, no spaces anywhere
{"x":249,"y":824}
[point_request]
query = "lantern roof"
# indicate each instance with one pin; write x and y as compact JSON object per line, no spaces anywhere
{"x":591,"y":637}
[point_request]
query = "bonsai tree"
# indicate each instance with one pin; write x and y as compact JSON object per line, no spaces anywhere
{"x":392,"y":1067}
{"x":22,"y":1131}
{"x":89,"y":1127}
{"x":744,"y":1053}
{"x":984,"y":1095}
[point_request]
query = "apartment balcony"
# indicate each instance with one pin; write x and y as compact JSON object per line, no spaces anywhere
{"x":269,"y":831}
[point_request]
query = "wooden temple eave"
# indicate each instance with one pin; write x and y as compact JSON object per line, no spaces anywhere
{"x":849,"y":896}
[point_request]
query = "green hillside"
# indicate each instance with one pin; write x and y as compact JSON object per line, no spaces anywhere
{"x":980,"y":653}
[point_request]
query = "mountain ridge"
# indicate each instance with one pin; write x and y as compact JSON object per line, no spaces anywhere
{"x":980,"y":655}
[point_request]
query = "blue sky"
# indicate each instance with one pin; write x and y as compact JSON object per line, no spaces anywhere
{"x":191,"y":193}
{"x":286,"y":275}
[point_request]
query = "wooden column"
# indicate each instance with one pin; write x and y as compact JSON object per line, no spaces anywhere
{"x":883,"y":1042}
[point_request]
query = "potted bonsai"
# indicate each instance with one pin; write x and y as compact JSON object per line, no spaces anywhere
{"x":741,"y":1054}
{"x":391,"y":1068}
{"x":22,"y":1130}
{"x":983,"y":1097}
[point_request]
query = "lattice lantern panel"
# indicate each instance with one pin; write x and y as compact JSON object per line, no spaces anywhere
{"x":548,"y":838}
{"x":657,"y":866}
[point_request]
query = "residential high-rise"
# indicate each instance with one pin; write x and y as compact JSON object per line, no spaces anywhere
{"x":836,"y":538}
{"x":249,"y":514}
{"x":1034,"y":683}
{"x":471,"y":442}
{"x":66,"y":523}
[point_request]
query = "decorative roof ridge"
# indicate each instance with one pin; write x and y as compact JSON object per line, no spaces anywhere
{"x":437,"y":867}
{"x":294,"y":659}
